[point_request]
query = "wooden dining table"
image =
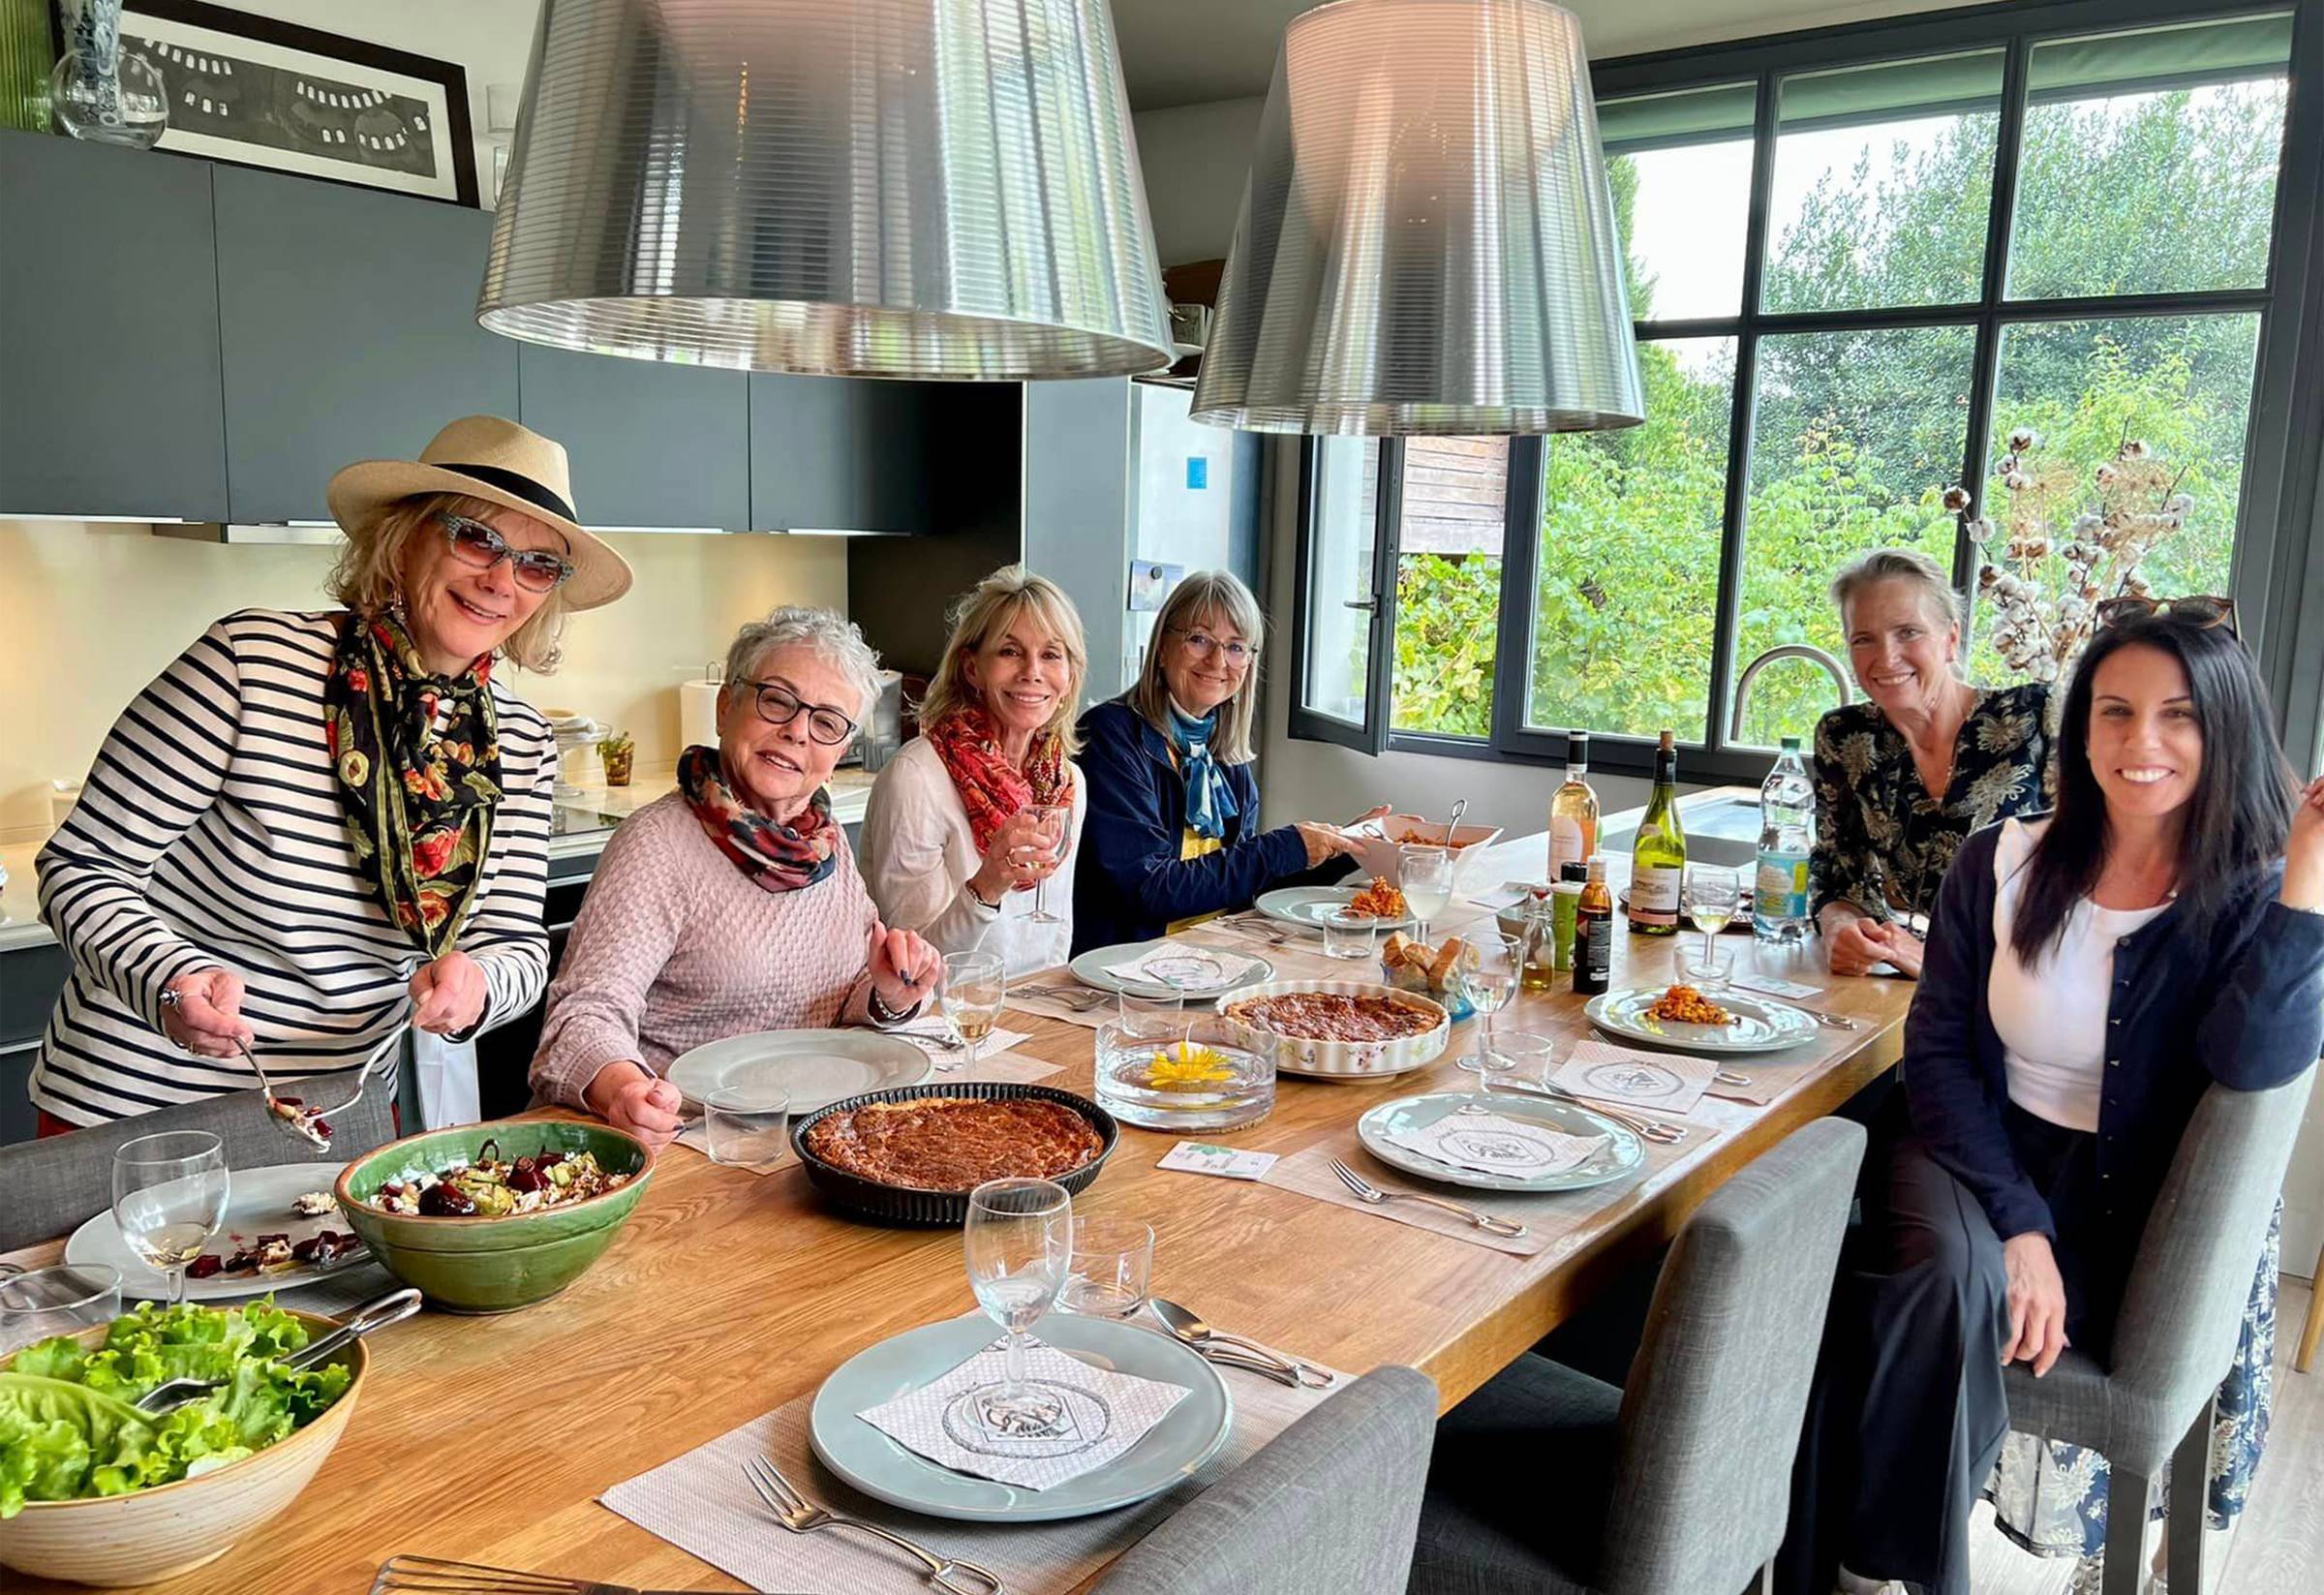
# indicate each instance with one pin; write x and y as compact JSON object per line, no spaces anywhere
{"x":729,"y":1294}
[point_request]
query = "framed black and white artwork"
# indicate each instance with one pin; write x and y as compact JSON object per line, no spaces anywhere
{"x":259,"y":92}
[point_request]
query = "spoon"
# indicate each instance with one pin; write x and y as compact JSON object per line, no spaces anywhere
{"x":377,"y":1314}
{"x":1461,"y":807}
{"x":1188,"y":1326}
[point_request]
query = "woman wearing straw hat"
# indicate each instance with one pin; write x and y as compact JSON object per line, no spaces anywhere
{"x":316,"y":827}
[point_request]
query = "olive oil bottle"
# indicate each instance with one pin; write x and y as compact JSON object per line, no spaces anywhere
{"x":1658,"y":858}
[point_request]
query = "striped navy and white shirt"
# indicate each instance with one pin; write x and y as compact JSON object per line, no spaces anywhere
{"x":210,"y":834}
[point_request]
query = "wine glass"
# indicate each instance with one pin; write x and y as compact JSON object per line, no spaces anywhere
{"x":1019,"y":1241}
{"x":1712,"y":897}
{"x":170,"y":1195}
{"x":1427,"y":879}
{"x":974,"y":987}
{"x":1052,"y":818}
{"x":1488,"y":973}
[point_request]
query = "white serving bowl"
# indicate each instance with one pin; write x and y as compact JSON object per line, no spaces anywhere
{"x":1383,"y":855}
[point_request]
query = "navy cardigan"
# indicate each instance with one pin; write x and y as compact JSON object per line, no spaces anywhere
{"x":2238,"y":998}
{"x":1128,"y":879}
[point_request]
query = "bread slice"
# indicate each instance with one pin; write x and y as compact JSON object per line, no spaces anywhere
{"x":1397,"y":948}
{"x":1447,"y":960}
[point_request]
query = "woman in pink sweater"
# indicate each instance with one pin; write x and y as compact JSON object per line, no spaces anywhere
{"x":733,"y":905}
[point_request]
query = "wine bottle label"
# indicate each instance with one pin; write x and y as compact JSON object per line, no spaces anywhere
{"x":1594,"y":953}
{"x":1565,"y":842}
{"x":1654,"y":894}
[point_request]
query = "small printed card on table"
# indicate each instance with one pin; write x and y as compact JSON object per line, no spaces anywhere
{"x":1101,"y":1413}
{"x":1767,"y":985}
{"x":1491,"y":1144}
{"x":1662,"y":1082}
{"x":1209,"y":1157}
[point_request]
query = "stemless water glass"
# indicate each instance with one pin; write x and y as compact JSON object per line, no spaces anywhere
{"x":1019,"y":1241}
{"x":747,"y":1118}
{"x":1489,"y":974}
{"x":1427,"y":882}
{"x":170,"y":1195}
{"x":59,"y":1300}
{"x":974,"y":988}
{"x":1111,"y":1271}
{"x":1523,"y":1052}
{"x":1158,"y":1018}
{"x":1712,"y":897}
{"x":1348,"y":934}
{"x":1052,"y":818}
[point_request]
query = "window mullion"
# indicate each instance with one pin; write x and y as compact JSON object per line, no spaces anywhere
{"x":1726,"y":617}
{"x":1985,"y":367}
{"x":1388,"y":548}
{"x":1522,"y":524}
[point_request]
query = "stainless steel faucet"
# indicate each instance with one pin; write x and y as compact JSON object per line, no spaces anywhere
{"x":1786,"y":651}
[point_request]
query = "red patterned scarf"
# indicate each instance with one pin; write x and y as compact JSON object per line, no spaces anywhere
{"x":776,"y":857}
{"x":990,"y":787}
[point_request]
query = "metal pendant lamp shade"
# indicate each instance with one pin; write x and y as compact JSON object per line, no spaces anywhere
{"x":1427,"y":240}
{"x":868,"y":188}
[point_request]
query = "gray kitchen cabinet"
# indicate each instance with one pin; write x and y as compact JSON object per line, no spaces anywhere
{"x":838,"y":453}
{"x":652,"y":444}
{"x":348,"y":319}
{"x":108,"y":335}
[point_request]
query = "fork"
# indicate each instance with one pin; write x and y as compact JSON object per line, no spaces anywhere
{"x":433,"y":1576}
{"x":1652,"y":1129}
{"x":1372,"y":1196}
{"x":1080,"y":1000}
{"x":801,"y":1516}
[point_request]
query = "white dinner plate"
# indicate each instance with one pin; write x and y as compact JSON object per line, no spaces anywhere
{"x":1199,"y":974}
{"x":816,"y":1067}
{"x":258,"y":1203}
{"x":1306,"y":905}
{"x":1761,"y":1023}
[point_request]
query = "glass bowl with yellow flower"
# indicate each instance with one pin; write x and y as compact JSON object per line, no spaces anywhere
{"x":1205,"y":1077}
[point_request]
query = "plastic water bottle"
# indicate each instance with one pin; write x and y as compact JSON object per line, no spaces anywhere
{"x":1778,"y":910}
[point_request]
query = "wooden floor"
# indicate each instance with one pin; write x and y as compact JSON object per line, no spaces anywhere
{"x":2276,"y":1547}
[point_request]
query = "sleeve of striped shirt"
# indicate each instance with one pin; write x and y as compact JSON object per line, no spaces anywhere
{"x":504,"y":933}
{"x":629,"y":924}
{"x":161,"y":767}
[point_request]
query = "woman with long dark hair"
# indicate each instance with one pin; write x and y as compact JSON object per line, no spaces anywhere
{"x":2089,"y":973}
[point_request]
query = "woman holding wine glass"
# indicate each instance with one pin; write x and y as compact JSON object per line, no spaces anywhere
{"x":970,"y":836}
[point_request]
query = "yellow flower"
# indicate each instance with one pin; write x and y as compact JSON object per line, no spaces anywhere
{"x":1188,"y":1068}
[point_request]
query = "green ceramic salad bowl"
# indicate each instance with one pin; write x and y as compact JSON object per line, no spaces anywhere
{"x":494,"y":1263}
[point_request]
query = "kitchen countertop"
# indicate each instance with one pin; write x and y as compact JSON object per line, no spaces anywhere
{"x":583,"y":824}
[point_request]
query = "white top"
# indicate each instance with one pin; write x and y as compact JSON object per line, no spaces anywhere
{"x":211,"y":834}
{"x":2051,"y":1016}
{"x":917,"y":853}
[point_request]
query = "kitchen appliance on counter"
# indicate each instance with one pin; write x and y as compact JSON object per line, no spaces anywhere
{"x":576,"y":737}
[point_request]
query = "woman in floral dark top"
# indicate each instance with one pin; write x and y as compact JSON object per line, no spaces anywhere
{"x":1882,"y":839}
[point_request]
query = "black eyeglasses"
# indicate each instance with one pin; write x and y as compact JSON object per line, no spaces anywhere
{"x":2202,"y":610}
{"x":779,"y":705}
{"x":474,"y":543}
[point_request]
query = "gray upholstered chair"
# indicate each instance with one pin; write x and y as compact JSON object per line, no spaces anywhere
{"x":2176,"y":1333}
{"x":1548,"y":1480}
{"x":1327,"y":1507}
{"x":48,"y":1186}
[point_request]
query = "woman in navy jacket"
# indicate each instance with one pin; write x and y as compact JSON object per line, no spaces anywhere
{"x":2162,"y":928}
{"x":1172,"y":832}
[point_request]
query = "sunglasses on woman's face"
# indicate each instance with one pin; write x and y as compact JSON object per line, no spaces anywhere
{"x":474,"y":543}
{"x":2200,"y":610}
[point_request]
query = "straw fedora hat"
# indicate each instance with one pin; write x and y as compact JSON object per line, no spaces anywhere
{"x":498,"y":461}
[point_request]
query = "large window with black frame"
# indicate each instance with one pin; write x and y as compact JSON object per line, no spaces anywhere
{"x":1860,"y":265}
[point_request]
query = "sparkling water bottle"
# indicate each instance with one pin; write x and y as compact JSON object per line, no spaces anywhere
{"x":1779,"y":909}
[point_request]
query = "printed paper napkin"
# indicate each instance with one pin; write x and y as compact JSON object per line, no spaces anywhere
{"x":1100,"y":1414}
{"x":1665,"y":1083}
{"x":1183,"y":968}
{"x":1492,"y":1144}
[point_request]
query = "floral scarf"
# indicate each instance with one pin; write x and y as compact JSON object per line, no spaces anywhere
{"x":990,"y":787}
{"x":776,"y":857}
{"x":418,"y":794}
{"x":1210,"y":800}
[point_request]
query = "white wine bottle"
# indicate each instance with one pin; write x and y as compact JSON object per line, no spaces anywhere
{"x":1658,"y":858}
{"x":1574,"y":809}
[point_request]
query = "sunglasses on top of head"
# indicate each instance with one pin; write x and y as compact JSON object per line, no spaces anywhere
{"x":477,"y":545}
{"x":2201,"y":610}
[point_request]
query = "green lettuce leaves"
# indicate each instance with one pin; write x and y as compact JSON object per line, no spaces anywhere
{"x":69,"y":1427}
